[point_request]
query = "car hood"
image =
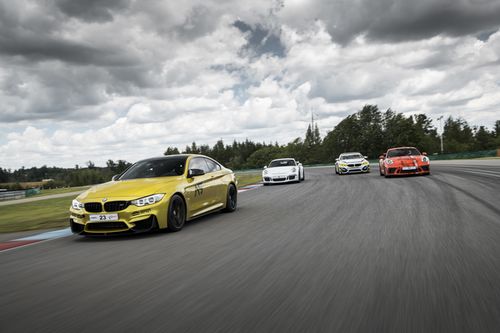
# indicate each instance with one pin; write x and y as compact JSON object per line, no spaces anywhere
{"x":357,"y":160}
{"x":281,"y":170}
{"x":131,"y":189}
{"x":406,"y":159}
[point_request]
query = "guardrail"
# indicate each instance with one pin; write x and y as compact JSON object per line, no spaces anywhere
{"x":21,"y":194}
{"x":465,"y":155}
{"x":12,"y":195}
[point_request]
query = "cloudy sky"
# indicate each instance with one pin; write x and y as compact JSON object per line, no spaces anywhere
{"x":124,"y":79}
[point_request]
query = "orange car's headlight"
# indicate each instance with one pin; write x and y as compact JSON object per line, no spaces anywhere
{"x":425,"y":159}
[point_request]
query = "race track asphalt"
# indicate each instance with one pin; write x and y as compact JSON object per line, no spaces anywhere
{"x":355,"y":253}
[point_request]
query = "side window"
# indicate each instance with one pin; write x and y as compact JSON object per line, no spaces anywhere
{"x":198,"y":163}
{"x":212,"y":166}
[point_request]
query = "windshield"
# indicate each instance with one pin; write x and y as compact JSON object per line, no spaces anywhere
{"x":161,"y":167}
{"x":351,"y":157}
{"x":281,"y":163}
{"x":403,"y":152}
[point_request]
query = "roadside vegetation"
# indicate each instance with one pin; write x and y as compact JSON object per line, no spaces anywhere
{"x":369,"y":131}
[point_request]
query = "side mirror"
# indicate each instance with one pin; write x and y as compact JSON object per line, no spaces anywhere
{"x":366,"y":157}
{"x":195,"y":172}
{"x":424,"y":153}
{"x":115,"y":177}
{"x":337,"y":159}
{"x":381,"y":157}
{"x":265,"y":166}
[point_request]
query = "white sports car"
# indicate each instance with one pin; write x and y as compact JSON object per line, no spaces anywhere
{"x":350,"y":163}
{"x":283,"y":170}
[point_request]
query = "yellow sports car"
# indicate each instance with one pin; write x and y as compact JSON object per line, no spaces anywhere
{"x":157,"y":193}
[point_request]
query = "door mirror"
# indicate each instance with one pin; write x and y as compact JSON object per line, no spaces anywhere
{"x":424,"y":153}
{"x":195,"y":172}
{"x":381,"y":157}
{"x":115,"y":177}
{"x":265,"y":166}
{"x":366,"y":157}
{"x":337,"y":159}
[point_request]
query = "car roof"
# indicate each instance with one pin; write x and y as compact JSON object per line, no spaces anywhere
{"x":283,"y":159}
{"x":402,"y":148}
{"x":173,"y":155}
{"x":351,"y":153}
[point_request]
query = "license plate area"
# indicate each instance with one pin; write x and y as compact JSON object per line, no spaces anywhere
{"x":103,"y":217}
{"x":409,"y":168}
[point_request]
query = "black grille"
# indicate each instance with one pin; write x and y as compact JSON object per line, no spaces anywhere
{"x":425,"y":168}
{"x":114,"y":206}
{"x":93,"y":207}
{"x":144,"y":225}
{"x":98,"y":226}
{"x":354,"y":165}
{"x":392,"y":170}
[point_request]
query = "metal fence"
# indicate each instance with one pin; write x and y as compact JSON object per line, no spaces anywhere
{"x":465,"y":155}
{"x":21,"y":194}
{"x":11,"y":195}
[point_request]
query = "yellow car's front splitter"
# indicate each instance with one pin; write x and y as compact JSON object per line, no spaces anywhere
{"x":132,"y":220}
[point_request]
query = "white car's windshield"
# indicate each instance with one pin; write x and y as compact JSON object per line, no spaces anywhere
{"x":281,"y":163}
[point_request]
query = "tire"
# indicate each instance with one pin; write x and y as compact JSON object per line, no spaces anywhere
{"x":380,"y":170}
{"x":303,"y":175}
{"x":336,"y":172}
{"x":176,"y":213}
{"x":231,"y":198}
{"x":385,"y":174}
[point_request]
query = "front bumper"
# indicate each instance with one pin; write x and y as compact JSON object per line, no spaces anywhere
{"x":132,"y":219}
{"x":401,"y":171}
{"x":354,"y":169}
{"x":279,"y":179}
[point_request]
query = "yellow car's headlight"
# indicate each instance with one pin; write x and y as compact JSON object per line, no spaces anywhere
{"x":149,"y":200}
{"x":365,"y":163}
{"x":77,"y":204}
{"x":343,"y":164}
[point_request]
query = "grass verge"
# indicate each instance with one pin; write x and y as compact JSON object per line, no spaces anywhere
{"x":53,"y":213}
{"x":43,"y":214}
{"x":248,"y":178}
{"x":59,"y":191}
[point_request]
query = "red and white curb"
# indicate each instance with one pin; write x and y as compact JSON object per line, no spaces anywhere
{"x":67,"y":232}
{"x":35,"y":239}
{"x":249,"y":187}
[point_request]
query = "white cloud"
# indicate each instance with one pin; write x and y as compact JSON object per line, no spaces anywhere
{"x":126,"y":82}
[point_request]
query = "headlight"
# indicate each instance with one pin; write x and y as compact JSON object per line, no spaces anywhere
{"x":425,"y":159}
{"x":343,"y":165}
{"x":149,"y":200}
{"x":389,"y":161}
{"x":76,"y":204}
{"x":265,"y":172}
{"x":294,"y":169}
{"x":365,"y":162}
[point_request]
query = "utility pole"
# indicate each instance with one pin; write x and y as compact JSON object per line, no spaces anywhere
{"x":442,"y":130}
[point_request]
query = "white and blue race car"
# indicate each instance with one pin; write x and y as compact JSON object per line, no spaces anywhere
{"x":351,"y":163}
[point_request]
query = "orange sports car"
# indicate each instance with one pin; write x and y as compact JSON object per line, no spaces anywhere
{"x":403,"y":161}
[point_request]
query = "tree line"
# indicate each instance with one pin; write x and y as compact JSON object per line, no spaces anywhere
{"x":369,"y":131}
